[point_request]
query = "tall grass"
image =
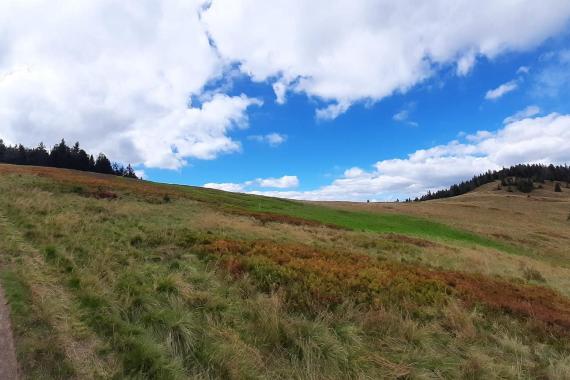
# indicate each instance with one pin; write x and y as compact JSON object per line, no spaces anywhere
{"x":134,"y":274}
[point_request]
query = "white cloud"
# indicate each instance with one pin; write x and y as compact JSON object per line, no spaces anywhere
{"x":401,"y":116}
{"x":503,"y":89}
{"x":347,"y":51}
{"x":522,"y":114}
{"x":285,"y":182}
{"x":122,"y":77}
{"x":332,"y":111}
{"x":530,"y":140}
{"x":140,"y":174}
{"x":228,"y":186}
{"x":273,"y":139}
{"x":353,"y":172}
{"x":117,"y":77}
{"x":280,"y":90}
{"x":523,"y":70}
{"x":466,"y":63}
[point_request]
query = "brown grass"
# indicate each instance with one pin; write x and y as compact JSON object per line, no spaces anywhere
{"x":536,"y":302}
{"x":330,"y":278}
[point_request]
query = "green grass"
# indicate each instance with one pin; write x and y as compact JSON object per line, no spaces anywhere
{"x":359,"y":221}
{"x":133,"y":274}
{"x":38,"y":354}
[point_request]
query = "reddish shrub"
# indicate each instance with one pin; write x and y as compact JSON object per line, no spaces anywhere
{"x":315,"y":278}
{"x":103,"y":194}
{"x":531,"y":301}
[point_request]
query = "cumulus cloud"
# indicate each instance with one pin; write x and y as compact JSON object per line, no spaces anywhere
{"x":129,"y":78}
{"x":285,"y":182}
{"x":272,"y":139}
{"x":503,"y":89}
{"x":227,"y":186}
{"x":347,"y":51}
{"x":117,"y":77}
{"x":531,"y":140}
{"x":332,"y":111}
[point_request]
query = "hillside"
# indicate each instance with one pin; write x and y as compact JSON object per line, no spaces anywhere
{"x":115,"y":277}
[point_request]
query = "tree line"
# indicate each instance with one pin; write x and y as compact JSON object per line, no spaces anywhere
{"x":63,"y":156}
{"x":521,"y":176}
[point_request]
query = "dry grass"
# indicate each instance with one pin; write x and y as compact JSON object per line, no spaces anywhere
{"x":147,"y":286}
{"x":537,"y":223}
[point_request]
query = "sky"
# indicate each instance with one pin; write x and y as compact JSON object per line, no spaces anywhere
{"x":326,"y":100}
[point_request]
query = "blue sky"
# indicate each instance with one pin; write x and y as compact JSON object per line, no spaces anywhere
{"x":437,"y":111}
{"x":341,"y":100}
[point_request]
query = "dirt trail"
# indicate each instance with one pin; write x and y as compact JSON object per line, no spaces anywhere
{"x":8,"y":363}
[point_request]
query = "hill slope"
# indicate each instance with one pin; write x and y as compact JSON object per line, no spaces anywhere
{"x":108,"y":277}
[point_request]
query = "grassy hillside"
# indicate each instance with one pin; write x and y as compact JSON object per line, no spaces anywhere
{"x":115,"y":278}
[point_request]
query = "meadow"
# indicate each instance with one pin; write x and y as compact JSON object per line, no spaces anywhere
{"x":109,"y":277}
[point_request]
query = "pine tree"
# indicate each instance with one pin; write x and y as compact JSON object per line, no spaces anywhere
{"x":103,"y":165}
{"x":60,"y":156}
{"x":129,"y":172}
{"x":2,"y":150}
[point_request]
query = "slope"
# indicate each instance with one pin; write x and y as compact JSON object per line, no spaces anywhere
{"x":111,"y":277}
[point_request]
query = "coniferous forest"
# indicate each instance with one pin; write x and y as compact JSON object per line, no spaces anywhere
{"x":522,"y":177}
{"x":62,"y":156}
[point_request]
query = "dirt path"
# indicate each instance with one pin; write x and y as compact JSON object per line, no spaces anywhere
{"x":8,"y":363}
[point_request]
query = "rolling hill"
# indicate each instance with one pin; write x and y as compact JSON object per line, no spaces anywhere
{"x":110,"y":277}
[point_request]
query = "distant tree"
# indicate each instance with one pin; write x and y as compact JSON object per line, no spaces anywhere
{"x":557,"y":187}
{"x":21,"y":155}
{"x":103,"y":165}
{"x":61,"y":156}
{"x":129,"y":172}
{"x":521,"y":176}
{"x":2,"y":150}
{"x":38,"y":156}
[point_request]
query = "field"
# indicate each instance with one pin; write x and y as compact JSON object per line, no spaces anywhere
{"x":109,"y":277}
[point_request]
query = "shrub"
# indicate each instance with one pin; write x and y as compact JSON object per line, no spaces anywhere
{"x":531,"y":274}
{"x":525,"y":185}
